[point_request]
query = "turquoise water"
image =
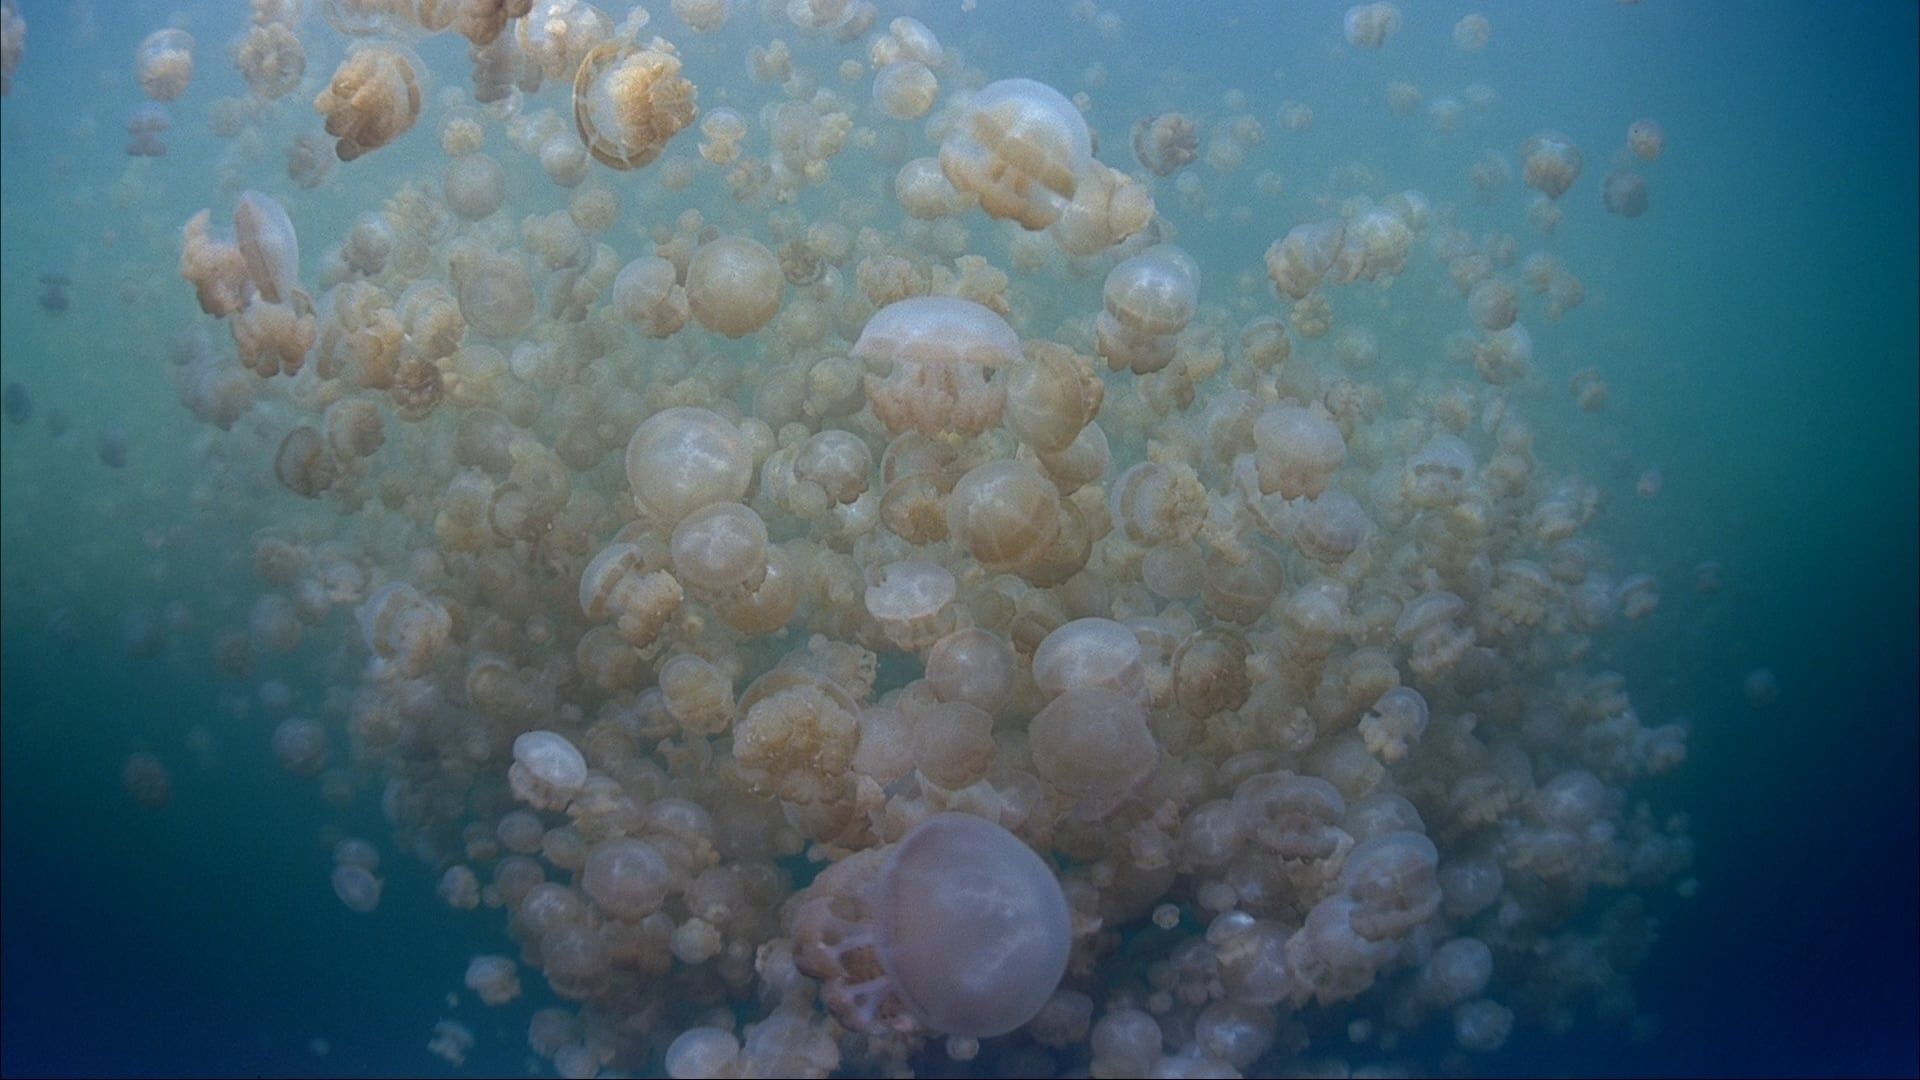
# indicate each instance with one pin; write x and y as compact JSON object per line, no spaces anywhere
{"x":1756,"y":327}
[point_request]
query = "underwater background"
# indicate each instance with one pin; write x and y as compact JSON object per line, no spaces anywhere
{"x":1757,"y":327}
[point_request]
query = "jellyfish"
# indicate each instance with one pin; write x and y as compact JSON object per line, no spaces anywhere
{"x":931,"y":364}
{"x":629,"y":100}
{"x":145,"y":126}
{"x":13,"y":43}
{"x":163,"y":64}
{"x":1624,"y":193}
{"x":1021,"y":148}
{"x":18,"y":402}
{"x":53,"y":293}
{"x":959,"y":929}
{"x":1166,"y":143}
{"x":372,"y":99}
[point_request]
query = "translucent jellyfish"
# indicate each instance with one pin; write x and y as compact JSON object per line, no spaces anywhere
{"x":683,"y":458}
{"x":1493,"y":304}
{"x":1646,"y":138}
{"x":1761,"y":687}
{"x":931,"y":362}
{"x":909,"y":599}
{"x":1093,"y":744}
{"x":267,"y":241}
{"x":271,"y":58}
{"x":629,"y":100}
{"x":975,"y":666}
{"x":1166,"y":143}
{"x":1394,"y":723}
{"x":163,"y":64}
{"x":372,"y":99}
{"x":905,"y":89}
{"x":547,"y":770}
{"x":357,"y":888}
{"x":1368,"y":26}
{"x":1472,"y":32}
{"x":1005,"y":514}
{"x":495,"y":292}
{"x":1624,"y":193}
{"x":451,"y":1041}
{"x":720,"y":547}
{"x":1090,"y":653}
{"x":734,"y":285}
{"x":303,"y":464}
{"x":146,"y":781}
{"x":400,"y":624}
{"x":145,"y":126}
{"x":1550,"y":163}
{"x":1431,"y":629}
{"x":473,"y":186}
{"x":702,"y":16}
{"x":1147,"y":300}
{"x":1297,"y":261}
{"x":1021,"y":147}
{"x":958,"y":929}
{"x":1296,"y":451}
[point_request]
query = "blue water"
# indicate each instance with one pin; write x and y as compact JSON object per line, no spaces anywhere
{"x":1757,"y":327}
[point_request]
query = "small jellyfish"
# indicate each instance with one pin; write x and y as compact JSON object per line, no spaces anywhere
{"x":372,"y":99}
{"x":1022,"y":148}
{"x":1472,"y":32}
{"x":931,"y":363}
{"x":629,"y":100}
{"x":267,"y":241}
{"x":1761,"y":687}
{"x":1625,"y":193}
{"x":163,"y":64}
{"x":1368,"y":26}
{"x":1646,"y":138}
{"x":357,"y":888}
{"x":1550,"y":163}
{"x":1650,"y":484}
{"x":734,"y":285}
{"x":1166,"y":143}
{"x":145,"y":126}
{"x":147,"y":781}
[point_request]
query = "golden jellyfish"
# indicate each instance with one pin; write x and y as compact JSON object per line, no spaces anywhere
{"x":163,"y":64}
{"x":1646,"y":138}
{"x":303,"y":463}
{"x":931,"y":363}
{"x":216,"y":268}
{"x":1005,"y":514}
{"x":1550,"y":163}
{"x":905,"y":89}
{"x":702,"y":16}
{"x":1147,"y":300}
{"x":648,"y":294}
{"x":146,"y":781}
{"x":495,"y":292}
{"x":959,"y":929}
{"x":683,"y":458}
{"x":271,"y":58}
{"x":1368,"y":26}
{"x":269,"y":245}
{"x":1624,"y":193}
{"x":629,"y":100}
{"x":372,"y":99}
{"x":734,"y":285}
{"x":473,"y":186}
{"x":1166,"y":143}
{"x":1472,"y":32}
{"x":1021,"y":147}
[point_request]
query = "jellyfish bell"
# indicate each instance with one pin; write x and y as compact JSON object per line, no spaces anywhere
{"x":1624,"y":193}
{"x":965,"y":928}
{"x":1021,"y":147}
{"x":163,"y":64}
{"x":630,"y":100}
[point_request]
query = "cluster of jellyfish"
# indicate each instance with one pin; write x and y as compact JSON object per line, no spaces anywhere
{"x":950,"y":632}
